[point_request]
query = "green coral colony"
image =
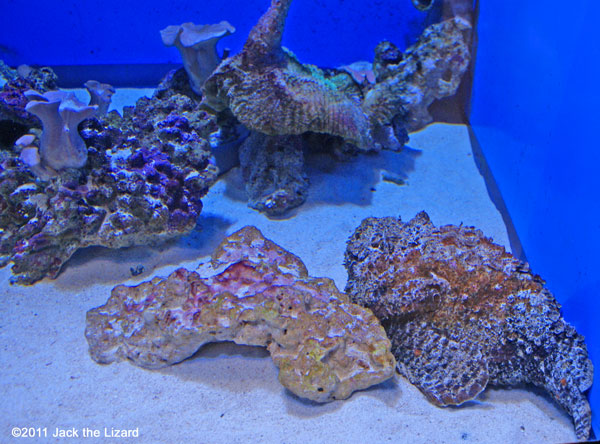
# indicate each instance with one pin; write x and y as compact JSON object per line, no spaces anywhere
{"x":81,"y":176}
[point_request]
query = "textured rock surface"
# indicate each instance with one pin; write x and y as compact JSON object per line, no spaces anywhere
{"x":463,"y":313}
{"x":269,"y":91}
{"x":273,"y":172}
{"x":6,"y":73}
{"x":145,"y":176}
{"x":252,"y":292}
{"x":430,"y":69}
{"x":13,"y":100}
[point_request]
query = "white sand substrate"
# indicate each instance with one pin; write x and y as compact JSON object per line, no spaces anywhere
{"x":228,"y":393}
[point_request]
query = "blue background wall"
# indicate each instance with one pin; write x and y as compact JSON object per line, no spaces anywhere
{"x":535,"y":114}
{"x":323,"y":32}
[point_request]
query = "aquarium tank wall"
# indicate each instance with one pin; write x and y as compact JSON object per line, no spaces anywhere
{"x":87,"y":39}
{"x":530,"y":100}
{"x":535,"y":114}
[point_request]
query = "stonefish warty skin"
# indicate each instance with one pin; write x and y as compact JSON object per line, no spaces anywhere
{"x":463,"y":313}
{"x":254,"y":293}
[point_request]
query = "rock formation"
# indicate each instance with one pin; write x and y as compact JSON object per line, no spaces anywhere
{"x":252,"y":292}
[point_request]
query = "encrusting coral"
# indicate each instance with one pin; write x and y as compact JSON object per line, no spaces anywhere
{"x":198,"y":47}
{"x":463,"y":313}
{"x":252,"y":292}
{"x":145,"y":175}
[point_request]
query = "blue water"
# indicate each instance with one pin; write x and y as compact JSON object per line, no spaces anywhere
{"x":535,"y":114}
{"x":325,"y":33}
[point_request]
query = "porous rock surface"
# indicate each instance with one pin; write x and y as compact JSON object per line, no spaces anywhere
{"x":145,"y":175}
{"x":13,"y":100}
{"x":273,"y":172}
{"x":252,"y":292}
{"x":408,"y":83}
{"x":368,"y":108}
{"x":269,"y":91}
{"x":463,"y":313}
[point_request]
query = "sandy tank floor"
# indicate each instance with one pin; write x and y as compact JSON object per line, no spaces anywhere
{"x":228,"y":393}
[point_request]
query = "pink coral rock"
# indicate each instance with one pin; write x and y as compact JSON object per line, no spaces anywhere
{"x":463,"y":313}
{"x":253,"y":292}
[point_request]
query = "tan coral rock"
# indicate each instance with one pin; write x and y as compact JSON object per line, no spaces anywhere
{"x":463,"y":313}
{"x":252,"y":292}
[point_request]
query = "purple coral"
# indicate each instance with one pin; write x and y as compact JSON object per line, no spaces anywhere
{"x":12,"y":97}
{"x":142,"y":183}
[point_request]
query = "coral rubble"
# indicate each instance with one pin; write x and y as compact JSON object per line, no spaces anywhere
{"x":144,"y":177}
{"x":252,"y":292}
{"x":463,"y":313}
